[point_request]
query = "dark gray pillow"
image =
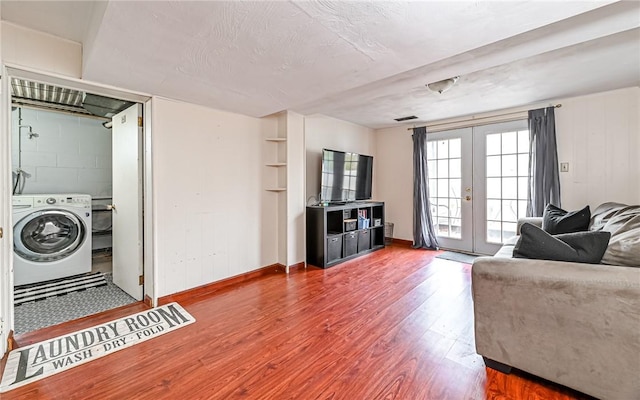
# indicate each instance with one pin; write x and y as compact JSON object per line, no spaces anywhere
{"x":556,"y":220}
{"x":584,"y":247}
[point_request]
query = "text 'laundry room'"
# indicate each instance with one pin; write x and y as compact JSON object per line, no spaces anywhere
{"x":62,"y":154}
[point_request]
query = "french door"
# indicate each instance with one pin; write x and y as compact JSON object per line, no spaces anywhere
{"x":478,"y":184}
{"x":449,"y":161}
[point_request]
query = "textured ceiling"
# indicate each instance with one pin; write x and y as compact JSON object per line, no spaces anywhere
{"x":365,"y":62}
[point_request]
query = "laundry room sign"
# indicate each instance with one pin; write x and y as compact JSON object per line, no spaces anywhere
{"x":37,"y":361}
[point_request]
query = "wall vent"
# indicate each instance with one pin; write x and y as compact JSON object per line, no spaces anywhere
{"x":405,"y":118}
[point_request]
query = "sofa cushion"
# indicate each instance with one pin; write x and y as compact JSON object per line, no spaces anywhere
{"x":623,"y":222}
{"x":555,"y":220}
{"x":583,"y":247}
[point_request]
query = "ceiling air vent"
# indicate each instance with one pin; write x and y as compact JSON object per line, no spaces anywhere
{"x":405,"y":118}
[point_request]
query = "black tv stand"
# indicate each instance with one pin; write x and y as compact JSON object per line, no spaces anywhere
{"x":335,"y":233}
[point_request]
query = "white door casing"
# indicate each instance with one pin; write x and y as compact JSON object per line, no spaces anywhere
{"x":127,"y":201}
{"x":6,"y":248}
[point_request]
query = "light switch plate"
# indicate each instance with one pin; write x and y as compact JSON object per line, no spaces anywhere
{"x":564,"y":167}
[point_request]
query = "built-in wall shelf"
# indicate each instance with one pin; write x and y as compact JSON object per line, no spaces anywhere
{"x":275,"y":160}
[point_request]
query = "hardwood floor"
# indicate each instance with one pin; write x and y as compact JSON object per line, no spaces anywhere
{"x":395,"y":324}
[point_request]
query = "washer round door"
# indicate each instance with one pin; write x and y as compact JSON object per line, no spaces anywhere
{"x":48,"y":235}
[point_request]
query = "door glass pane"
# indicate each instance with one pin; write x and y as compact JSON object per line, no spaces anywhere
{"x":507,"y":158}
{"x":523,"y":141}
{"x":433,"y":187}
{"x":442,"y":228}
{"x":432,"y":167}
{"x":455,"y":229}
{"x":431,"y":150}
{"x":454,"y":208}
{"x":434,"y":206}
{"x":522,"y":208}
{"x":510,"y":210}
{"x":523,"y":164}
{"x":523,"y":188}
{"x":508,"y":230}
{"x":509,"y":188}
{"x":454,"y":188}
{"x":455,"y":148}
{"x":494,"y":232}
{"x":509,"y":143}
{"x":493,"y":166}
{"x":494,"y":210}
{"x":443,"y":149}
{"x":443,"y":168}
{"x":493,"y":144}
{"x":510,"y":165}
{"x":443,"y":187}
{"x":443,"y":207}
{"x":455,"y":168}
{"x":493,"y":188}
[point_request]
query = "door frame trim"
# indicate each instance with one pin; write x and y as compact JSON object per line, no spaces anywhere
{"x":6,"y":270}
{"x":6,"y":243}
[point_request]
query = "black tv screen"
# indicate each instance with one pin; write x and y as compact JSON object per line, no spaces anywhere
{"x":345,"y":176}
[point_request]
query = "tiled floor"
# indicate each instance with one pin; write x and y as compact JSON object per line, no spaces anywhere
{"x":55,"y":310}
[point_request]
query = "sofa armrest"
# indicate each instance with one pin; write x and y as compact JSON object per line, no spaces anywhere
{"x":571,"y":323}
{"x":537,"y":221}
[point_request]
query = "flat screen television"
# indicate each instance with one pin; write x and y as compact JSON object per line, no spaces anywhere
{"x":345,"y":176}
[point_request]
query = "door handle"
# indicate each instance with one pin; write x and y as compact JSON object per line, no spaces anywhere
{"x":111,"y":207}
{"x":467,"y":198}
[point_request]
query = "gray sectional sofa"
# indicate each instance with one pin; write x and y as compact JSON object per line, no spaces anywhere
{"x":571,"y":323}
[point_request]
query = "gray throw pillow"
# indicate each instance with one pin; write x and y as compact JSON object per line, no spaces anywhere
{"x":583,"y":247}
{"x":555,"y":220}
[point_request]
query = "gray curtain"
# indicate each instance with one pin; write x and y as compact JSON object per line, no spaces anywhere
{"x":544,"y":179}
{"x":424,"y":235}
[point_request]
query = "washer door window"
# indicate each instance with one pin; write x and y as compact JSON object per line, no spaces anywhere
{"x":46,"y":236}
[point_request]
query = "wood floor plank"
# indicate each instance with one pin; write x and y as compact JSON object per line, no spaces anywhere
{"x":395,"y":324}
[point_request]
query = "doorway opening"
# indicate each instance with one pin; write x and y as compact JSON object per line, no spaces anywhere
{"x":77,"y":187}
{"x":478,"y":179}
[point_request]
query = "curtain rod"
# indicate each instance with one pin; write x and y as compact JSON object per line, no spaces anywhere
{"x":474,"y":119}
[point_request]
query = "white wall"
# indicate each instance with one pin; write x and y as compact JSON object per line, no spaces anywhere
{"x":208,"y":195}
{"x":295,"y":189}
{"x":38,"y":50}
{"x":72,"y":154}
{"x":330,"y":133}
{"x":394,"y":180}
{"x":599,"y":135}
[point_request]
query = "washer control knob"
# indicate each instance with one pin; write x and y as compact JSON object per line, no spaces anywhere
{"x":51,"y":200}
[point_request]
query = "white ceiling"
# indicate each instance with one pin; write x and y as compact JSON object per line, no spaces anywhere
{"x":365,"y":62}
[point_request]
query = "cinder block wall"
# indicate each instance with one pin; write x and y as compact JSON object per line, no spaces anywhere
{"x":72,"y":154}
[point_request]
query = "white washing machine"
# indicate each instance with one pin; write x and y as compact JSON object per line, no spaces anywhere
{"x":51,"y":236}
